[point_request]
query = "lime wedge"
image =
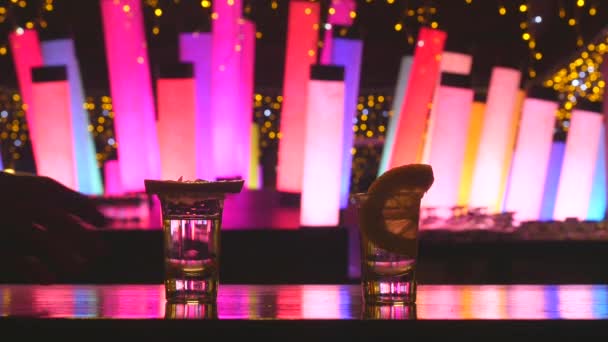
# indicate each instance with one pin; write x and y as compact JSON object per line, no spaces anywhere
{"x":389,"y":215}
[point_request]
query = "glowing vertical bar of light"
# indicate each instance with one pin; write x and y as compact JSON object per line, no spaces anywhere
{"x":54,"y":140}
{"x":449,"y":139}
{"x":25,"y":48}
{"x":320,"y":204}
{"x":302,"y":36}
{"x":391,"y":129}
{"x":576,"y":178}
{"x":62,"y":52}
{"x":576,"y":301}
{"x":341,"y":13}
{"x":195,"y":48}
{"x":597,"y":203}
{"x":348,"y":53}
{"x":554,"y":169}
{"x":230,"y":132}
{"x":604,"y":71}
{"x":502,"y":92}
{"x":470,"y":154}
{"x":506,"y":167}
{"x":247,"y":43}
{"x":131,"y":89}
{"x":421,"y":86}
{"x":111,"y":175}
{"x":176,"y":97}
{"x":451,"y":63}
{"x":531,"y":157}
{"x":255,"y":182}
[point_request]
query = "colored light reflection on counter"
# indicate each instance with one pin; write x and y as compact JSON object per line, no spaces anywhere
{"x":487,"y":304}
{"x":320,"y":204}
{"x":348,"y":53}
{"x":195,"y":48}
{"x":246,"y":96}
{"x":85,"y":303}
{"x":470,"y":154}
{"x":440,"y":302}
{"x":533,"y":147}
{"x":576,"y":301}
{"x":466,"y":299}
{"x":253,"y":304}
{"x":491,"y":155}
{"x":61,"y":52}
{"x":288,"y":302}
{"x":55,"y":302}
{"x":238,"y":307}
{"x":576,"y":178}
{"x":597,"y":203}
{"x":409,"y":141}
{"x":554,"y":170}
{"x":526,"y":302}
{"x":131,"y":89}
{"x":1,"y":165}
{"x":231,"y":133}
{"x":324,"y":302}
{"x":391,"y":130}
{"x":54,"y":144}
{"x":600,"y":301}
{"x":5,"y":304}
{"x":302,"y":36}
{"x":132,"y":302}
{"x":177,"y":128}
{"x":449,"y":133}
{"x":550,"y":294}
{"x":25,"y":48}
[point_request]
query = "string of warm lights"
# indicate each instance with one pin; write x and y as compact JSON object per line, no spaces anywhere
{"x":13,"y":128}
{"x":13,"y":8}
{"x":101,"y":126}
{"x":413,"y":17}
{"x":580,"y":79}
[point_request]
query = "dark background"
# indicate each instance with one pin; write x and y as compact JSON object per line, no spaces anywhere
{"x":474,"y":27}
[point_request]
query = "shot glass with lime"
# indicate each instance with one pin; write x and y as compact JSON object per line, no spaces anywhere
{"x":192,"y":218}
{"x":388,"y":216}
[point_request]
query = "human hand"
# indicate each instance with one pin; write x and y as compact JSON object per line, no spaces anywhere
{"x":46,"y":229}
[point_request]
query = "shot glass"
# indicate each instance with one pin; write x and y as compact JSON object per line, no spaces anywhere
{"x":388,"y":276}
{"x":191,"y":240}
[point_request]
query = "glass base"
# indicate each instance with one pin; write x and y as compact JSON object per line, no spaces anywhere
{"x":389,"y":311}
{"x":389,"y":291}
{"x":191,"y":310}
{"x":188,"y":290}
